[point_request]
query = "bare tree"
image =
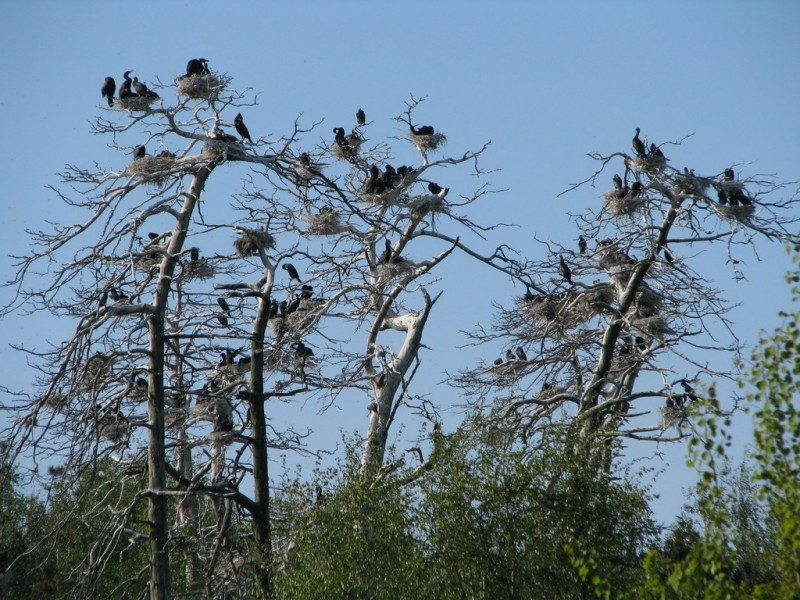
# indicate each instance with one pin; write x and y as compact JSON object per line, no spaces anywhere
{"x":619,"y":317}
{"x":177,"y":351}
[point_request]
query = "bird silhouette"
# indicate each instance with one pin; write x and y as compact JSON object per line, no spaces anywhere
{"x":223,"y":304}
{"x":638,"y":145}
{"x":564,"y":269}
{"x":521,"y":354}
{"x":125,"y":89}
{"x":289,"y":268}
{"x":108,"y":89}
{"x":241,"y":128}
{"x":582,"y":244}
{"x":361,"y":117}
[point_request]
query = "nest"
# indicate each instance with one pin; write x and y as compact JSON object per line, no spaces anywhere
{"x":324,"y":223}
{"x":688,"y":185}
{"x":671,"y":415}
{"x":55,"y":402}
{"x":149,"y":260}
{"x":201,"y":87}
{"x":152,"y":169}
{"x":96,"y":371}
{"x":648,"y":302}
{"x":429,"y":203}
{"x":541,"y":308}
{"x":278,"y":326}
{"x":198,"y":269}
{"x":567,"y":310}
{"x":622,"y":206}
{"x":598,"y":293}
{"x":138,"y":393}
{"x":425,"y":143}
{"x":549,"y":391}
{"x":134,"y":103}
{"x":734,"y":213}
{"x":654,"y":326}
{"x":650,"y":165}
{"x":226,"y":374}
{"x":220,"y":150}
{"x":113,"y":428}
{"x":250,"y":239}
{"x":395,"y":269}
{"x":306,"y":314}
{"x":387,"y":197}
{"x":348,"y":151}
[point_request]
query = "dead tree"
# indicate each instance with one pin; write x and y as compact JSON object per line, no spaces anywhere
{"x":620,"y":324}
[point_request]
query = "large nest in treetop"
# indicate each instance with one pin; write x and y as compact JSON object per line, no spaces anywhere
{"x":226,"y":374}
{"x":347,"y":151}
{"x":201,"y":87}
{"x":602,"y":293}
{"x":55,"y":401}
{"x":428,"y":203}
{"x":278,"y":325}
{"x":134,"y":103}
{"x":222,"y":150}
{"x":566,"y":309}
{"x":324,"y":223}
{"x":309,"y":311}
{"x":113,"y":428}
{"x":650,"y":165}
{"x":648,"y":302}
{"x":549,"y":391}
{"x":655,"y":326}
{"x":687,"y":184}
{"x":138,"y":393}
{"x":425,"y":143}
{"x":507,"y":372}
{"x":671,"y":415}
{"x":153,"y":169}
{"x":198,"y":269}
{"x":95,"y":373}
{"x":250,"y":239}
{"x":150,"y":259}
{"x":386,"y":198}
{"x":622,"y":206}
{"x":734,"y":213}
{"x":395,"y":269}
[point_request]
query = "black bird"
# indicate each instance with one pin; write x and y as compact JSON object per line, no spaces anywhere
{"x":241,"y":128}
{"x":273,"y":310}
{"x":103,"y":299}
{"x":117,"y":296}
{"x":669,"y":255}
{"x":422,"y":130}
{"x":306,"y":291}
{"x":293,"y":305}
{"x":733,"y":198}
{"x":736,"y":195}
{"x":340,"y":138}
{"x":722,"y":197}
{"x":304,"y":159}
{"x":636,"y":189}
{"x":194,"y":254}
{"x":690,"y":394}
{"x":617,"y":182}
{"x":143,"y":91}
{"x":361,"y":117}
{"x":197,"y":66}
{"x":371,"y":183}
{"x":166,"y":154}
{"x":125,"y":88}
{"x":656,"y":151}
{"x":510,"y":356}
{"x":223,"y":320}
{"x":387,"y":179}
{"x":303,"y":351}
{"x":582,"y":244}
{"x":437,"y":190}
{"x":564,"y":269}
{"x":152,"y":236}
{"x":521,"y":354}
{"x":498,"y":362}
{"x":528,"y":297}
{"x":728,"y":175}
{"x":638,"y":145}
{"x":223,"y":304}
{"x":289,"y":268}
{"x":641,"y":343}
{"x":386,"y":255}
{"x":108,"y":89}
{"x":139,"y":152}
{"x":282,"y":306}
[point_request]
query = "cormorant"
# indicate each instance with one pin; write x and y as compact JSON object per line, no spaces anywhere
{"x":282,"y":306}
{"x":722,"y":197}
{"x":108,"y":89}
{"x":103,"y":300}
{"x":403,"y":170}
{"x":728,"y":174}
{"x":582,"y":244}
{"x":386,"y":255}
{"x":289,"y":268}
{"x":138,"y":382}
{"x":371,"y":183}
{"x":521,"y":354}
{"x":125,"y":88}
{"x":689,"y":390}
{"x":117,"y":296}
{"x":736,"y":195}
{"x":223,"y":304}
{"x":656,"y":151}
{"x":669,"y":255}
{"x":303,"y":351}
{"x":636,"y":189}
{"x":528,"y":297}
{"x":241,"y":128}
{"x":197,"y":66}
{"x":422,"y":130}
{"x":638,"y":145}
{"x":273,"y":309}
{"x":564,"y":269}
{"x":510,"y":356}
{"x":340,"y":138}
{"x":617,"y":182}
{"x":166,"y":154}
{"x":293,"y":305}
{"x":733,"y":198}
{"x":361,"y":117}
{"x":143,"y":91}
{"x":194,"y":254}
{"x":641,"y":343}
{"x":437,"y":190}
{"x":498,"y":362}
{"x":139,"y":152}
{"x":223,"y":320}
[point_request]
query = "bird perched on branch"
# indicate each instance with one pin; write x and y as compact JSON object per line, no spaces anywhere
{"x":223,"y":320}
{"x":289,"y":268}
{"x":617,"y":182}
{"x":437,"y":190}
{"x":306,"y":292}
{"x":361,"y":117}
{"x":510,"y":356}
{"x":241,"y":128}
{"x":728,"y":175}
{"x":371,"y":182}
{"x":223,"y":304}
{"x":638,"y":145}
{"x":521,"y":354}
{"x":125,"y":89}
{"x":143,"y":91}
{"x":108,"y":89}
{"x":564,"y":269}
{"x":221,"y":136}
{"x":656,"y":151}
{"x":582,"y":245}
{"x":139,"y":152}
{"x":386,"y":255}
{"x":636,"y":189}
{"x":197,"y":66}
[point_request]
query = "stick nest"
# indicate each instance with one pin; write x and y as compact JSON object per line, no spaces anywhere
{"x":309,"y":312}
{"x":671,"y":415}
{"x":348,"y":151}
{"x":249,"y":241}
{"x":324,"y":223}
{"x":734,"y":213}
{"x":278,"y":326}
{"x":152,"y":169}
{"x":655,"y":326}
{"x":113,"y":428}
{"x":134,"y":103}
{"x":651,"y":165}
{"x":198,"y":269}
{"x":426,"y":143}
{"x":428,"y":203}
{"x":395,"y":269}
{"x":622,"y":206}
{"x":201,"y":87}
{"x":688,"y":185}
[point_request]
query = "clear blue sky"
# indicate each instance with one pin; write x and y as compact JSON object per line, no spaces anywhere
{"x":546,"y":82}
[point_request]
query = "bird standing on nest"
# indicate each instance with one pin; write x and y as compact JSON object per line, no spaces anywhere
{"x":139,"y":152}
{"x":125,"y":88}
{"x":108,"y":89}
{"x":197,"y":66}
{"x":656,"y":151}
{"x":422,"y":130}
{"x":143,"y":91}
{"x":437,"y":190}
{"x":638,"y":145}
{"x":241,"y":128}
